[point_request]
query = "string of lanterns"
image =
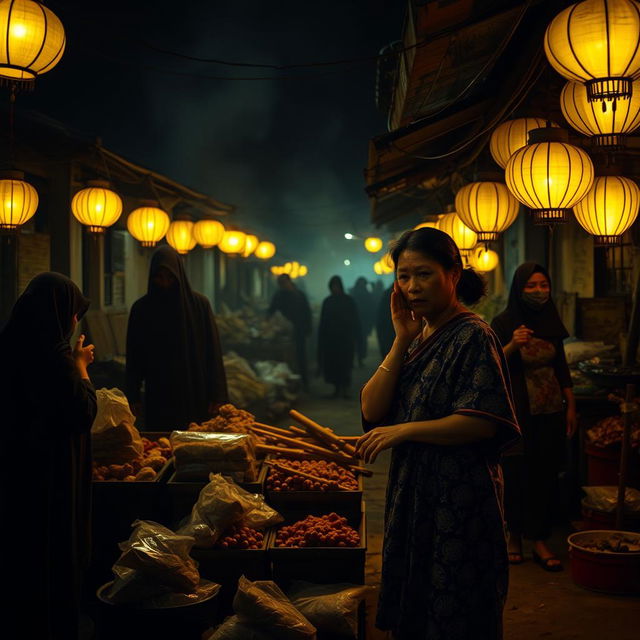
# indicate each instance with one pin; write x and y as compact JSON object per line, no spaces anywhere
{"x":293,"y":269}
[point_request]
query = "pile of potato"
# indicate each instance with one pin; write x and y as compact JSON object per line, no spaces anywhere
{"x":330,"y":530}
{"x":142,"y":469}
{"x":330,"y":476}
{"x":237,"y":537}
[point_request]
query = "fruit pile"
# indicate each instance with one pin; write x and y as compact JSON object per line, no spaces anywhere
{"x":329,"y":530}
{"x":236,"y":537}
{"x":608,"y":432}
{"x":293,"y":475}
{"x":142,"y":469}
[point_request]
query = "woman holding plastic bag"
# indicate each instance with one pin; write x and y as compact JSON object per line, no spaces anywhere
{"x":48,"y":406}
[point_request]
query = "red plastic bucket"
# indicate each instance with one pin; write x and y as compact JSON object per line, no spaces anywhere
{"x":603,"y":465}
{"x":616,"y":573}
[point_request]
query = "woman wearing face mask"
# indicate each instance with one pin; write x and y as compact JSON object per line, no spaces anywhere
{"x":531,"y":332}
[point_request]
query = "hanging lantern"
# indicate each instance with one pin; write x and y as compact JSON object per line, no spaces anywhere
{"x":426,"y":225}
{"x":32,"y":40}
{"x":294,"y":272}
{"x":378,"y":268}
{"x":233,"y":242}
{"x":97,"y":207}
{"x":148,"y":224}
{"x":607,"y":128}
{"x":609,"y":209}
{"x":275,"y":270}
{"x":484,"y":259}
{"x":265,"y":250}
{"x":180,"y":236}
{"x":250,"y":245}
{"x":488,"y":208}
{"x":386,"y":262}
{"x":549,"y":175}
{"x":373,"y":245}
{"x":208,"y":233}
{"x":597,"y":42}
{"x":512,"y":135}
{"x":19,"y":200}
{"x":304,"y":270}
{"x":462,"y":235}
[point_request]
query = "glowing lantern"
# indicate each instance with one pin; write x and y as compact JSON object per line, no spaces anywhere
{"x":607,"y":128}
{"x":373,"y":245}
{"x":275,"y":270}
{"x":426,"y":225}
{"x":512,"y":135}
{"x":549,"y":175}
{"x":180,"y":236}
{"x":609,"y":208}
{"x":597,"y":42}
{"x":286,"y":267}
{"x":304,"y":270}
{"x":97,"y":206}
{"x":386,"y":262}
{"x":148,"y":225}
{"x":484,"y":259}
{"x":32,"y":40}
{"x":462,"y":235}
{"x":19,"y":200}
{"x":250,"y":245}
{"x":208,"y":233}
{"x":488,"y":208}
{"x":295,"y":270}
{"x":233,"y":242}
{"x":265,"y":250}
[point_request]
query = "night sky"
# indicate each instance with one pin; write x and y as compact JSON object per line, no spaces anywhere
{"x":289,"y":151}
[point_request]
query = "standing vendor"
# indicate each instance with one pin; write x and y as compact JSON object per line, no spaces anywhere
{"x":174,"y":348}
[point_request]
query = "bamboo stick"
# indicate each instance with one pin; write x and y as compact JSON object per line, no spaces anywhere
{"x":268,"y":427}
{"x":323,"y":432}
{"x":301,"y":432}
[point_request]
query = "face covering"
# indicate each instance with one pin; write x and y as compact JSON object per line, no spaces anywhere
{"x":535,"y":299}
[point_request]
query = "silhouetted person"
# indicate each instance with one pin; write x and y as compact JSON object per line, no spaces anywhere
{"x":384,"y":326}
{"x":294,"y":306}
{"x":366,"y":310}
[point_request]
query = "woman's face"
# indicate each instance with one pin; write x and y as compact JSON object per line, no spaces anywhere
{"x":428,"y":288}
{"x":537,"y":282}
{"x":536,"y":291}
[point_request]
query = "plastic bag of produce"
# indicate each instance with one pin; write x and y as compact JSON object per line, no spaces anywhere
{"x":263,"y":604}
{"x":114,"y":439}
{"x":606,"y":498}
{"x":154,"y":560}
{"x":330,"y":608}
{"x":223,"y":503}
{"x":198,"y":454}
{"x":233,"y":629}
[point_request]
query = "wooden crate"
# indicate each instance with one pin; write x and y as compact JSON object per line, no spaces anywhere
{"x":324,"y":565}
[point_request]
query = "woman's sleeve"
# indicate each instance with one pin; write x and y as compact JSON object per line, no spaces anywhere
{"x":561,"y":368}
{"x":480,"y":384}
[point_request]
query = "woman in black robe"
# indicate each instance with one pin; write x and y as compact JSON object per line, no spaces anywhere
{"x":48,"y":407}
{"x":531,"y":332}
{"x":338,"y":336}
{"x":174,"y":348}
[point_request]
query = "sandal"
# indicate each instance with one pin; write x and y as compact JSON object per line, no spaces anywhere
{"x":546,"y":563}
{"x":515,"y":557}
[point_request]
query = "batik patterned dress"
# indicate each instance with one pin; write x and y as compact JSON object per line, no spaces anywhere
{"x":445,"y":569}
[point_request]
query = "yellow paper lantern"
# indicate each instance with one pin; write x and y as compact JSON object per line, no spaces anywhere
{"x":387,"y":264}
{"x":32,"y":40}
{"x":265,"y":250}
{"x":484,"y":260}
{"x":550,"y":177}
{"x":97,"y":207}
{"x":275,"y":270}
{"x":295,"y":270}
{"x":488,"y":208}
{"x":377,"y":267}
{"x":250,"y":245}
{"x":609,"y":208}
{"x":512,"y":135}
{"x":180,"y":236}
{"x":607,"y":127}
{"x":373,"y":245}
{"x":208,"y":233}
{"x":597,"y":42}
{"x":286,"y":267}
{"x":233,"y":242}
{"x":462,"y":235}
{"x":19,"y":201}
{"x":148,"y":225}
{"x":426,"y":225}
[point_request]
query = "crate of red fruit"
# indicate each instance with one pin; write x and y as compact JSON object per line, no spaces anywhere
{"x":294,"y":485}
{"x":329,"y":547}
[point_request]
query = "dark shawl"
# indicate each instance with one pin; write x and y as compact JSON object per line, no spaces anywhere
{"x":47,"y":413}
{"x":294,"y":306}
{"x":384,"y":326}
{"x":546,"y":324}
{"x":338,"y":336}
{"x":445,"y":570}
{"x":174,"y":347}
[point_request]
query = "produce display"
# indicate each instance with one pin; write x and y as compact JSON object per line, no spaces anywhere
{"x":608,"y":432}
{"x":230,"y":419}
{"x":248,"y":324}
{"x":238,"y":537}
{"x":330,"y":530}
{"x":243,"y":384}
{"x":615,"y":543}
{"x":309,"y":475}
{"x":144,"y":468}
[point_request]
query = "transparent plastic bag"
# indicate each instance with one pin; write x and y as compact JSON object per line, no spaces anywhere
{"x":233,"y":629}
{"x":223,"y":503}
{"x":263,"y":604}
{"x":606,"y":499}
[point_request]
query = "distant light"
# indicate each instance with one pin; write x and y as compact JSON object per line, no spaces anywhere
{"x":348,"y":236}
{"x":347,"y":263}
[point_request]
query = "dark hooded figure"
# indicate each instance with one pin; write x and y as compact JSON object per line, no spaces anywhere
{"x":338,"y":336}
{"x":384,"y":326}
{"x":174,"y":348}
{"x":48,"y":407}
{"x":366,"y":311}
{"x":531,"y":332}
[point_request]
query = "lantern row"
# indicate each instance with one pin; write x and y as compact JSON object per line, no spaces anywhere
{"x":292,"y":269}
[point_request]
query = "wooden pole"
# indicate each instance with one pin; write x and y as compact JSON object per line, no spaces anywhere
{"x":628,"y":407}
{"x":633,"y":332}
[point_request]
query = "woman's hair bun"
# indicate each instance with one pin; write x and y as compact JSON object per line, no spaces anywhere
{"x":471,"y":286}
